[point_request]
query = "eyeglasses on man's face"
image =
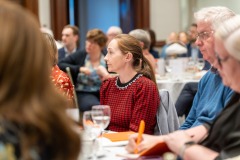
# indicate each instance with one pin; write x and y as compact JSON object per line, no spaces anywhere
{"x":203,"y":35}
{"x":221,"y":60}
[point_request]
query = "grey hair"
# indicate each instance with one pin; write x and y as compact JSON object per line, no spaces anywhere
{"x":142,"y":36}
{"x":214,"y":15}
{"x":229,"y":33}
{"x":114,"y":30}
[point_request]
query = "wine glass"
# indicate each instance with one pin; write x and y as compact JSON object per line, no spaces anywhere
{"x":101,"y":115}
{"x":91,"y":132}
{"x":200,"y":63}
{"x":92,"y":129}
{"x":168,"y":67}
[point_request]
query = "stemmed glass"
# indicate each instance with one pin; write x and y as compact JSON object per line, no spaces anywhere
{"x":101,"y":115}
{"x":91,"y":132}
{"x":200,"y":63}
{"x":168,"y":67}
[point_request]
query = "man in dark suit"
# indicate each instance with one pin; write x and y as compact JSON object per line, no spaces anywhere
{"x":70,"y":37}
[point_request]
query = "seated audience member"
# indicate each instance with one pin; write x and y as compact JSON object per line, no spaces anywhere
{"x":112,"y":32}
{"x":45,"y":29}
{"x":172,"y":38}
{"x":176,"y":49}
{"x":132,"y":95}
{"x":192,"y":49}
{"x":144,"y":39}
{"x":59,"y":78}
{"x":70,"y":38}
{"x":84,"y":66}
{"x":183,"y":37}
{"x":212,"y":95}
{"x":185,"y":99}
{"x":33,"y":121}
{"x":221,"y":138}
{"x":152,"y":44}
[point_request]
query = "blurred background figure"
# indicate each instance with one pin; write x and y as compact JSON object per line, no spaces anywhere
{"x":45,"y":29}
{"x":33,"y":121}
{"x":70,"y":41}
{"x":176,"y":49}
{"x":183,"y":38}
{"x":193,"y":50}
{"x":59,"y":78}
{"x":88,"y":69}
{"x":154,"y":52}
{"x":173,"y":37}
{"x":144,"y":38}
{"x":112,"y":32}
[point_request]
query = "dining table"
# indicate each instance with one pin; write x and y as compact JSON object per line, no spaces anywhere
{"x":109,"y":151}
{"x":175,"y":83}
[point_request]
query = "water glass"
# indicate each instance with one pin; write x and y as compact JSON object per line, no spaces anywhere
{"x":101,"y":115}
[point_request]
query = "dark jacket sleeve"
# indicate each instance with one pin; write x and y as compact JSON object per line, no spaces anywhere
{"x":232,"y":146}
{"x":74,"y":61}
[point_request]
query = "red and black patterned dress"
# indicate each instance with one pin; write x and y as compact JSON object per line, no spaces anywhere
{"x":62,"y":82}
{"x":130,"y":103}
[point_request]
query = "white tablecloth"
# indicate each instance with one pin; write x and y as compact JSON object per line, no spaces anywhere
{"x":174,"y":86}
{"x":105,"y":153}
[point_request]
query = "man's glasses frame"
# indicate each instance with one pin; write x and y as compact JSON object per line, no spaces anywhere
{"x":204,"y":35}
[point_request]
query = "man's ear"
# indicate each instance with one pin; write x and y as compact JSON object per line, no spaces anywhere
{"x":128,"y":57}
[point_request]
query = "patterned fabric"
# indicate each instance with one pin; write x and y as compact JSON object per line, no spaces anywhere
{"x":62,"y":82}
{"x":139,"y":101}
{"x":10,"y":143}
{"x":92,"y":82}
{"x":7,"y":151}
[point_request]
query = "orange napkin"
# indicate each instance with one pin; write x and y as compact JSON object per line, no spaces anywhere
{"x":119,"y":136}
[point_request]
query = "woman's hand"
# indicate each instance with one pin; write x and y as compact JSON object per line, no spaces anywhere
{"x":147,"y":142}
{"x":85,"y":70}
{"x":102,"y":72}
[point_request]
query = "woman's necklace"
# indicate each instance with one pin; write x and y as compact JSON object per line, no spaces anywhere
{"x":122,"y":86}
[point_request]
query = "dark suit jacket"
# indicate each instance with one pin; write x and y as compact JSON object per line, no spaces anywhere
{"x":189,"y":51}
{"x":61,"y":53}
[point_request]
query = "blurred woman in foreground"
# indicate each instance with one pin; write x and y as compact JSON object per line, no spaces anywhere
{"x":33,"y":122}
